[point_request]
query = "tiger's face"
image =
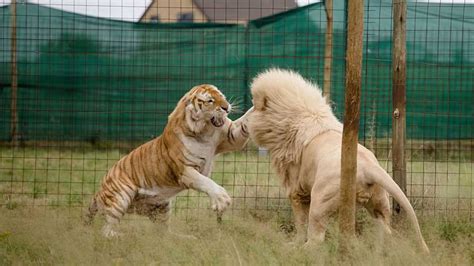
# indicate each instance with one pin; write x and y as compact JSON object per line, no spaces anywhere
{"x":207,"y":103}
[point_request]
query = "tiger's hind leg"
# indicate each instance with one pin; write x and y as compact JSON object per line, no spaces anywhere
{"x":110,"y":228}
{"x":158,"y":211}
{"x":114,"y":208}
{"x":91,"y":212}
{"x":160,"y":215}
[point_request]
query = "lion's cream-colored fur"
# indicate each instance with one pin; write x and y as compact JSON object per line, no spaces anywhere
{"x":293,"y":121}
{"x":291,"y":113}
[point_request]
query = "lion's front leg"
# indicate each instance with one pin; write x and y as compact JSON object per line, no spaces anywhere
{"x":220,"y":200}
{"x":300,"y":207}
{"x":324,"y":202}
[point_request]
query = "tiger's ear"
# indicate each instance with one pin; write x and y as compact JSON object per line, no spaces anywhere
{"x":192,"y":109}
{"x":195,"y":114}
{"x":186,"y":101}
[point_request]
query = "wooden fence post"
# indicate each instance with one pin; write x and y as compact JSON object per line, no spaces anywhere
{"x":399,"y":96}
{"x":328,"y":4}
{"x":355,"y":28}
{"x":14,"y":79}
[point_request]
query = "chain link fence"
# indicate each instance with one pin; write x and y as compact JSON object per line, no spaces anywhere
{"x":90,"y":89}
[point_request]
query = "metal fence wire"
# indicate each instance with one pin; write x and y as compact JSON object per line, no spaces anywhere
{"x":77,"y":92}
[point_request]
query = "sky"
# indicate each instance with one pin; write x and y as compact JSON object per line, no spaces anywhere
{"x":131,"y":10}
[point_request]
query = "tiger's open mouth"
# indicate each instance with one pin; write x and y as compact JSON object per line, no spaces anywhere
{"x":217,"y":122}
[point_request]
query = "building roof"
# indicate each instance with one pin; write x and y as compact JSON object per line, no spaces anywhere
{"x":242,"y":10}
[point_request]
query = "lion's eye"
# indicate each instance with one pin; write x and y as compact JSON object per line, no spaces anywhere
{"x":210,"y":101}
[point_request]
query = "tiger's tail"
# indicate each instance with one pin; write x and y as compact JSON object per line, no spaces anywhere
{"x":91,"y":212}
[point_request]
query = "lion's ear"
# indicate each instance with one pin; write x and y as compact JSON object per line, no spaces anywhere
{"x":260,"y":103}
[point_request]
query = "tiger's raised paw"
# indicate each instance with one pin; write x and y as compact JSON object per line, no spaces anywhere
{"x":220,"y":200}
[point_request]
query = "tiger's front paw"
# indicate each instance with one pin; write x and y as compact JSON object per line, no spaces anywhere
{"x":220,"y":200}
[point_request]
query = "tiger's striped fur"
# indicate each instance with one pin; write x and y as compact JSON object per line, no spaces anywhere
{"x":145,"y":180}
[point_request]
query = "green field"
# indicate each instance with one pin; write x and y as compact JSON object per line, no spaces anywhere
{"x":69,"y":177}
{"x":59,"y":176}
{"x":44,"y":191}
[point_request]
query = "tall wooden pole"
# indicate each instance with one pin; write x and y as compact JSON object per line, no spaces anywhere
{"x":328,"y":4}
{"x":14,"y":78}
{"x":355,"y":28}
{"x":399,"y":96}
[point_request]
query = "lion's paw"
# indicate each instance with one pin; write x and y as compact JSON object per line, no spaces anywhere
{"x":296,"y":243}
{"x":293,"y":245}
{"x":311,"y":245}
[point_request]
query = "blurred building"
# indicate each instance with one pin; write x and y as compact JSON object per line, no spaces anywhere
{"x":218,"y":11}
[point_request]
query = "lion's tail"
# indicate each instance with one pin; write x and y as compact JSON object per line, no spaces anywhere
{"x":379,"y":176}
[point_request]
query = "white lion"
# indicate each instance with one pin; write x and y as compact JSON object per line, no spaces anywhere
{"x":293,"y":121}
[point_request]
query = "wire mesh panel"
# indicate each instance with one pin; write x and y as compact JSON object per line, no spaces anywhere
{"x":91,"y":89}
{"x":439,"y":100}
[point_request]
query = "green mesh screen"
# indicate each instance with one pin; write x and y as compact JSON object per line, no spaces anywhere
{"x":85,"y":78}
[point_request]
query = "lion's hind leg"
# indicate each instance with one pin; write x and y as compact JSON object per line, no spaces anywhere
{"x":379,"y":208}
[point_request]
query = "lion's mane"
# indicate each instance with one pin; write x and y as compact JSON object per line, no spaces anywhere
{"x":277,"y":96}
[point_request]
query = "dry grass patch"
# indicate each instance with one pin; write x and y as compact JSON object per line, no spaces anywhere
{"x":57,"y":236}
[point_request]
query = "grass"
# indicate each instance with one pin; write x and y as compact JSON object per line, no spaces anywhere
{"x":58,"y":176}
{"x":40,"y":188}
{"x":56,"y":236}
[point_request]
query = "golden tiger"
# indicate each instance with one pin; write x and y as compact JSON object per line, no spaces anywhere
{"x":145,"y":180}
